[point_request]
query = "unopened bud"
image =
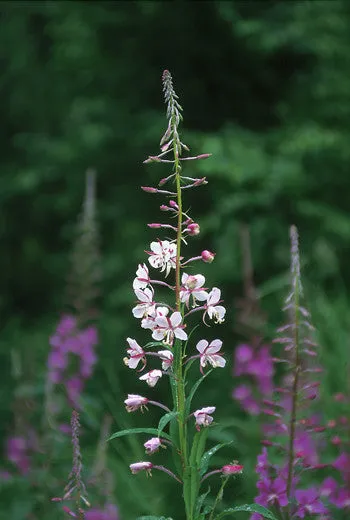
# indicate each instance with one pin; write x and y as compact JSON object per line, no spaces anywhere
{"x":163,"y":207}
{"x":207,"y":256}
{"x":201,"y":181}
{"x":232,"y":469}
{"x":193,"y":229}
{"x":149,"y":189}
{"x":163,"y":181}
{"x":152,"y":158}
{"x":173,"y":204}
{"x":204,"y":156}
{"x":154,"y":225}
{"x":336,"y":440}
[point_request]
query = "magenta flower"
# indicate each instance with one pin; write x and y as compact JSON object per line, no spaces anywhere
{"x":108,"y":512}
{"x":135,"y":402}
{"x":309,"y":503}
{"x":209,"y":353}
{"x":273,"y":491}
{"x":202,"y":416}
{"x":151,"y":377}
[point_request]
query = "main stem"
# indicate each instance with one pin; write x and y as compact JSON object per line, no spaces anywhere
{"x":180,"y":384}
{"x":295,"y":388}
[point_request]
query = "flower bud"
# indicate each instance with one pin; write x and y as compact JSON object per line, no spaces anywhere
{"x":154,"y":225}
{"x":232,"y":469}
{"x":163,"y":207}
{"x":193,"y":229}
{"x":141,"y":466}
{"x":207,"y":256}
{"x":149,"y":189}
{"x":134,"y":402}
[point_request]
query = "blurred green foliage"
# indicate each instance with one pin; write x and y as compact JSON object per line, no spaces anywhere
{"x":265,"y":88}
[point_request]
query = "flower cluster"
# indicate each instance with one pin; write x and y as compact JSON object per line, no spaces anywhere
{"x":68,"y":340}
{"x":256,"y":364}
{"x":165,"y":308}
{"x":294,"y":430}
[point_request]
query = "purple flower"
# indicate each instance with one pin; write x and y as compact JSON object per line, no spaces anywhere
{"x":262,"y":467}
{"x":309,"y":503}
{"x":342,"y":500}
{"x":17,"y":449}
{"x":109,"y":512}
{"x":273,"y":491}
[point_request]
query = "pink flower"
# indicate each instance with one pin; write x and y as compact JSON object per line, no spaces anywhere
{"x":207,"y":256}
{"x":152,"y":377}
{"x":167,"y":358}
{"x":153,"y":445}
{"x":232,"y":469}
{"x":192,"y":286}
{"x":202,"y":416}
{"x":141,"y":466}
{"x":193,"y":229}
{"x":216,"y":312}
{"x":168,"y":328}
{"x":135,"y":402}
{"x":142,"y":277}
{"x":146,"y":305}
{"x":135,"y":352}
{"x":163,"y":255}
{"x":209,"y":353}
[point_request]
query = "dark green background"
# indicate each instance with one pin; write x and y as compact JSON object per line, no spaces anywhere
{"x":265,"y":87}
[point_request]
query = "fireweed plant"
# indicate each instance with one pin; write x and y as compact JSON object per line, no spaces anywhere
{"x":292,"y":438}
{"x":171,"y":348}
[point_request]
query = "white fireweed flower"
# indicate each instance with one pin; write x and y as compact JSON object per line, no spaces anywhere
{"x":149,"y":322}
{"x":146,"y":305}
{"x":141,"y":466}
{"x":135,"y":352}
{"x":192,"y":285}
{"x":215,"y":311}
{"x":202,"y":416}
{"x":163,"y":255}
{"x":151,"y":377}
{"x":142,"y":277}
{"x":167,"y":358}
{"x":153,"y":445}
{"x":209,"y":353}
{"x":135,"y":402}
{"x":168,"y":328}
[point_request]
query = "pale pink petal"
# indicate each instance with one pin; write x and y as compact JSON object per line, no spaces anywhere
{"x":202,"y":345}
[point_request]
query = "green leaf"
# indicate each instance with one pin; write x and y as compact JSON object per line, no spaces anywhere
{"x":152,"y":344}
{"x":248,"y":508}
{"x":193,"y":391}
{"x":151,"y":517}
{"x":132,"y":431}
{"x":165,"y":420}
{"x":204,"y":464}
{"x":199,"y":504}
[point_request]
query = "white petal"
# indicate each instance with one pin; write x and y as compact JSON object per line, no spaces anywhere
{"x":202,"y":345}
{"x":180,"y":334}
{"x":176,"y":319}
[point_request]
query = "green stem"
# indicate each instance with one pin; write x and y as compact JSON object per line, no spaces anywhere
{"x":218,"y":497}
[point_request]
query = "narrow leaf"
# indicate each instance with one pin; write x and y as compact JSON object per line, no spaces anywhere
{"x":193,"y":391}
{"x":131,"y":431}
{"x":248,"y":508}
{"x":204,"y":464}
{"x":165,"y":420}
